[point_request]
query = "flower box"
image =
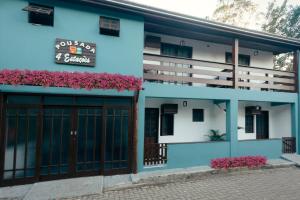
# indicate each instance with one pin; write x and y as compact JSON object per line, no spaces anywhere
{"x":239,"y":162}
{"x":76,"y":80}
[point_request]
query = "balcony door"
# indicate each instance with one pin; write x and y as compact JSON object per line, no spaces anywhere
{"x":177,"y":51}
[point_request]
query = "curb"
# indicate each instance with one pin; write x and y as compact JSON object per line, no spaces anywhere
{"x":184,"y":176}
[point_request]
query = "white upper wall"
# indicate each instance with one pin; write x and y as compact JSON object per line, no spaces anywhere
{"x":215,"y":52}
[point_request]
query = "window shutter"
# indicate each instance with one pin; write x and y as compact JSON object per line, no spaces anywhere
{"x":109,"y":26}
{"x":40,"y":14}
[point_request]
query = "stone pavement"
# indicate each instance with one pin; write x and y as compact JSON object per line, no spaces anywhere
{"x":266,"y":184}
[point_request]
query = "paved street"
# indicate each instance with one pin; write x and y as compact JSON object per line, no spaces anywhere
{"x":271,"y":184}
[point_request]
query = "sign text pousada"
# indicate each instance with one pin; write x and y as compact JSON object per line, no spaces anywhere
{"x":75,"y":52}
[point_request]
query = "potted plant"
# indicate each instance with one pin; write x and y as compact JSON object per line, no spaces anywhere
{"x":215,"y":135}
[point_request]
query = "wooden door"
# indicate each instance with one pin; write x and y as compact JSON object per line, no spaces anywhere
{"x":117,"y":140}
{"x":151,"y":125}
{"x":87,"y":140}
{"x":44,"y":141}
{"x":56,"y":144}
{"x":262,"y":125}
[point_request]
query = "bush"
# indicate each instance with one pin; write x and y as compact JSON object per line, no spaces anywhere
{"x":244,"y":161}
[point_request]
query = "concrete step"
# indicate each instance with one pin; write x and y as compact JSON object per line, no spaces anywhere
{"x":294,"y":158}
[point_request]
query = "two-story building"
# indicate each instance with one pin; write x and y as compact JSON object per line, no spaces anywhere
{"x":72,"y":103}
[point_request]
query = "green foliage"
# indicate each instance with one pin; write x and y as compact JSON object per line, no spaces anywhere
{"x":241,"y":13}
{"x":215,"y":135}
{"x":283,"y":20}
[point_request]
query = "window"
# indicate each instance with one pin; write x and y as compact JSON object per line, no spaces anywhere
{"x":152,"y":42}
{"x":198,"y":115}
{"x":109,"y":26}
{"x":249,"y":121}
{"x":180,"y":52}
{"x":176,"y":50}
{"x":243,"y":59}
{"x":167,"y":124}
{"x":40,"y":14}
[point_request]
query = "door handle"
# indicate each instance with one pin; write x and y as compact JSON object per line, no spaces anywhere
{"x":75,"y":132}
{"x":71,"y":132}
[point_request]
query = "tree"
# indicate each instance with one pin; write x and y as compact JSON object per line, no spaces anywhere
{"x":241,"y":13}
{"x":283,"y":20}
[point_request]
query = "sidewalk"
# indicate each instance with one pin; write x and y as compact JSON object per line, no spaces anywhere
{"x":99,"y":184}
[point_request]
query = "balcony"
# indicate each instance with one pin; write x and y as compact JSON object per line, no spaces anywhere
{"x":192,"y":72}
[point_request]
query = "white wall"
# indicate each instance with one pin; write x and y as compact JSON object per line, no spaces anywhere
{"x":279,"y":120}
{"x":215,"y":52}
{"x":185,"y":130}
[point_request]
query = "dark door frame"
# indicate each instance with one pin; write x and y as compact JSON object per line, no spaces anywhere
{"x":131,"y":135}
{"x":157,"y":122}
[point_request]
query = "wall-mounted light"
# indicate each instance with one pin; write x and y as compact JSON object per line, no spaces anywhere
{"x":253,"y":110}
{"x":184,"y":103}
{"x":182,"y":43}
{"x":255,"y":53}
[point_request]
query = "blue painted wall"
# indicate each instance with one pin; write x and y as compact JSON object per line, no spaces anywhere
{"x":195,"y":154}
{"x":27,"y":46}
{"x":269,"y":148}
{"x":297,"y":111}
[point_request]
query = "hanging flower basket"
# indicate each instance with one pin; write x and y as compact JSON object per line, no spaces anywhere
{"x":76,"y":80}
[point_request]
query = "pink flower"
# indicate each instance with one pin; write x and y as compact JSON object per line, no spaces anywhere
{"x":244,"y":161}
{"x":74,"y":80}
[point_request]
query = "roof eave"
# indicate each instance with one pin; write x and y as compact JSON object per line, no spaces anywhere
{"x":150,"y":12}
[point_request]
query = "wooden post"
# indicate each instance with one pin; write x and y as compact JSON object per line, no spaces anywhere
{"x":296,"y":70}
{"x":2,"y":137}
{"x":235,"y":62}
{"x":135,"y":133}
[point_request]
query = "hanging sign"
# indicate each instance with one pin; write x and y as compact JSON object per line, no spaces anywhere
{"x":74,"y":52}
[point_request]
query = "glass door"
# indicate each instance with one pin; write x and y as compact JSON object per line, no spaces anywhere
{"x":117,"y":139}
{"x":52,"y":137}
{"x":88,"y":140}
{"x":21,"y":132}
{"x":55,"y":146}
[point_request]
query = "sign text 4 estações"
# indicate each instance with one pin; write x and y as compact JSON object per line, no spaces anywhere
{"x":74,"y":52}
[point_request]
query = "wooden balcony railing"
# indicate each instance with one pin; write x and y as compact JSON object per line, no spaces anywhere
{"x":155,"y":154}
{"x":166,"y":69}
{"x":266,"y":79}
{"x":187,"y":71}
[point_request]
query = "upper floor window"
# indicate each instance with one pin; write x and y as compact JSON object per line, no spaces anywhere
{"x":40,"y":14}
{"x":243,"y":59}
{"x":176,"y":50}
{"x":109,"y":26}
